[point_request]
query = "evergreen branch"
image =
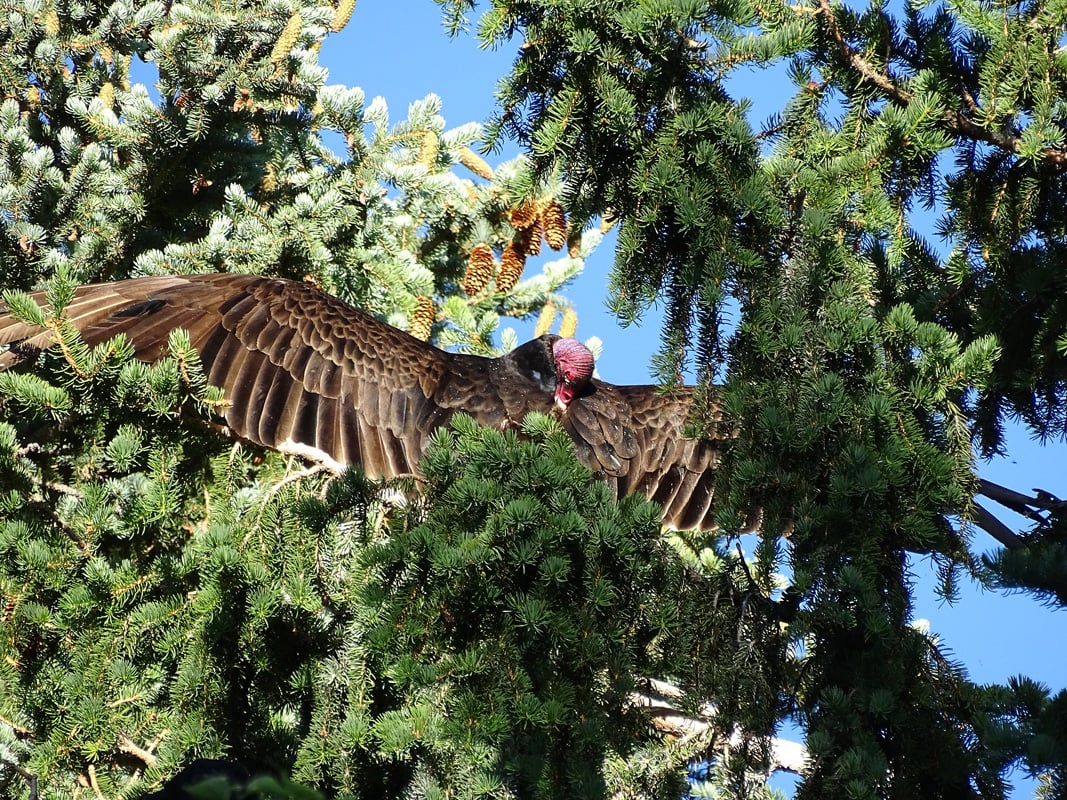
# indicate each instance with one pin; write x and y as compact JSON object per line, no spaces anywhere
{"x":272,"y":492}
{"x":997,"y":529}
{"x":55,"y":325}
{"x":1024,"y":505}
{"x":660,"y":697}
{"x":964,"y":126}
{"x":127,"y":745}
{"x":20,"y":732}
{"x":62,"y":488}
{"x":857,"y":62}
{"x":61,"y":524}
{"x":29,"y":777}
{"x":958,"y":122}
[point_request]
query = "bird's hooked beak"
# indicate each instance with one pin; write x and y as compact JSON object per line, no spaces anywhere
{"x":565,"y":391}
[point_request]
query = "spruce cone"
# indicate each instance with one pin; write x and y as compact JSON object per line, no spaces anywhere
{"x":287,"y":40}
{"x":342,"y":14}
{"x":480,"y":265}
{"x":475,"y":164}
{"x":422,"y":318}
{"x":568,"y":326}
{"x":574,"y":244}
{"x":428,"y":149}
{"x":554,"y":222}
{"x":544,"y":319}
{"x":524,"y":216}
{"x":244,"y":101}
{"x":107,"y":94}
{"x":528,"y":240}
{"x":512,"y":263}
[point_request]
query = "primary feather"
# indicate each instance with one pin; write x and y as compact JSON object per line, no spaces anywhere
{"x":307,"y":374}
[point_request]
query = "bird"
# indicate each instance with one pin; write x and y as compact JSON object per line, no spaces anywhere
{"x":309,"y":375}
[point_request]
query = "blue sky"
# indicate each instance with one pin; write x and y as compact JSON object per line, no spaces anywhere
{"x":397,"y":49}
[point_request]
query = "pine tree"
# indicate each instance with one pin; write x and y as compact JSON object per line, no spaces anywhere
{"x":161,"y":596}
{"x":168,"y":595}
{"x":866,"y":364}
{"x":486,"y":638}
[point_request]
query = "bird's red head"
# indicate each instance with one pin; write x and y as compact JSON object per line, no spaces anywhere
{"x":574,"y":367}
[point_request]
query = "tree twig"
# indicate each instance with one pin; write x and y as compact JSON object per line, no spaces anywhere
{"x":997,"y":529}
{"x":959,"y":122}
{"x":92,"y":782}
{"x":660,"y":697}
{"x":1021,"y":503}
{"x":145,"y":755}
{"x":29,"y":777}
{"x":1031,"y":507}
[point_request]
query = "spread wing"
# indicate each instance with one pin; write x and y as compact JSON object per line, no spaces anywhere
{"x":634,"y":434}
{"x":675,"y":471}
{"x":303,"y":372}
{"x":307,"y":374}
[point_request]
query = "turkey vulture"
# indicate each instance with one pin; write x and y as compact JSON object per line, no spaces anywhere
{"x":309,"y":375}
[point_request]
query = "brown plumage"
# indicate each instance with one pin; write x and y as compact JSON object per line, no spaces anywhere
{"x":307,"y":374}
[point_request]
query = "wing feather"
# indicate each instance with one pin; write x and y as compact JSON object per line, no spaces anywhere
{"x":675,"y":471}
{"x":698,"y":511}
{"x":370,"y":443}
{"x":666,"y":487}
{"x":151,"y":340}
{"x":279,"y":347}
{"x":303,"y":425}
{"x":236,"y":310}
{"x":351,"y":438}
{"x":281,"y":393}
{"x":248,"y":386}
{"x":219,"y":368}
{"x":326,"y":426}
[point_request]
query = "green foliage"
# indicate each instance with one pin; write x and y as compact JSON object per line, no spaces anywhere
{"x":167,"y":595}
{"x":865,"y":364}
{"x":93,"y":577}
{"x":232,"y":166}
{"x":479,"y":639}
{"x":489,"y":633}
